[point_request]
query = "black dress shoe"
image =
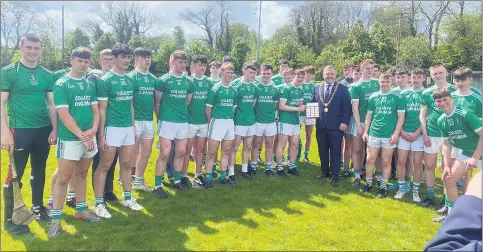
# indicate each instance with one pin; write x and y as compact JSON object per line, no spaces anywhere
{"x":322,"y":176}
{"x":334,"y":182}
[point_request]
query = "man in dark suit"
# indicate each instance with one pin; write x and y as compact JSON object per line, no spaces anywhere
{"x":334,"y":114}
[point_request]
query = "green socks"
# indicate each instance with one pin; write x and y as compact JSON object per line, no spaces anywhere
{"x":158,"y":181}
{"x":57,"y":214}
{"x":222,"y":175}
{"x":177,"y":177}
{"x":208,"y":176}
{"x":127,"y":195}
{"x":99,"y":201}
{"x":80,"y":206}
{"x":430,"y":193}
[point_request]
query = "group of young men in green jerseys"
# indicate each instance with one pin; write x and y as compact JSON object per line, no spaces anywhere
{"x":112,"y":114}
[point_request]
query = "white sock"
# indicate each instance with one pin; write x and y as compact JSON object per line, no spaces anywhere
{"x":244,"y":167}
{"x":231,"y":170}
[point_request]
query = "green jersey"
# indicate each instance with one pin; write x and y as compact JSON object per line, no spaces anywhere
{"x":360,"y":92}
{"x":471,"y":101}
{"x":197,"y":107}
{"x":278,"y":79}
{"x":117,"y":90}
{"x":173,"y":107}
{"x":308,"y":89}
{"x":246,"y":96}
{"x":222,"y":99}
{"x":77,"y":95}
{"x":397,"y":90}
{"x":461,"y":129}
{"x":60,"y":73}
{"x":293,"y":95}
{"x":413,"y":106}
{"x":27,"y":89}
{"x":143,"y":96}
{"x":433,"y":111}
{"x":265,"y":106}
{"x":384,"y":109}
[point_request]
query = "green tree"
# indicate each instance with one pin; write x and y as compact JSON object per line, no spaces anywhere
{"x":330,"y":55}
{"x":137,"y":41}
{"x":51,"y":56}
{"x":239,"y":52}
{"x":106,"y":41}
{"x":197,"y":47}
{"x":358,"y":44}
{"x":74,"y":39}
{"x":166,"y":48}
{"x":178,"y":36}
{"x":383,"y":44}
{"x":414,"y":52}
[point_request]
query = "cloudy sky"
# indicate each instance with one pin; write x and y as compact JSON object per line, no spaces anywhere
{"x":274,"y":14}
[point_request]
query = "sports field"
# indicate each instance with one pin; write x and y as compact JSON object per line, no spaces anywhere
{"x":298,"y":213}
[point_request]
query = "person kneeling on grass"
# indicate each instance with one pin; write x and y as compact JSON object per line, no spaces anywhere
{"x":460,"y":130}
{"x":76,"y":104}
{"x":384,"y":120}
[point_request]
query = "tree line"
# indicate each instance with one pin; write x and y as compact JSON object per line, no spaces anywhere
{"x":407,"y":34}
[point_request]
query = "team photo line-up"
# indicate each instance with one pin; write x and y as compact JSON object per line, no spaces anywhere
{"x":106,"y":117}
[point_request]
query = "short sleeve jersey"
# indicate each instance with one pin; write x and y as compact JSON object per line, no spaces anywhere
{"x":27,"y":88}
{"x":360,"y":92}
{"x":196,"y":109}
{"x":265,"y":106}
{"x":117,"y":90}
{"x":384,"y":109}
{"x":461,"y":129}
{"x":244,"y":112}
{"x":278,"y":79}
{"x":77,"y":95}
{"x":143,"y":96}
{"x":413,"y":105}
{"x":433,"y":111}
{"x":292,"y":95}
{"x":222,"y":99}
{"x":60,"y":73}
{"x":468,"y":102}
{"x":173,"y":107}
{"x":308,"y":89}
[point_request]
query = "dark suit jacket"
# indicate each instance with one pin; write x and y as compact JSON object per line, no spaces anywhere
{"x":340,"y":108}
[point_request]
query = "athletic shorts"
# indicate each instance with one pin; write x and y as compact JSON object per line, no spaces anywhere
{"x":306,"y":121}
{"x":119,"y":136}
{"x":245,"y":131}
{"x":288,"y":129}
{"x":171,"y":130}
{"x":462,"y":158}
{"x":436,"y":145}
{"x":380,"y":142}
{"x":197,"y":130}
{"x":455,"y":152}
{"x":221,"y":129}
{"x":144,"y":129}
{"x":417,"y":145}
{"x":348,"y":130}
{"x":74,"y":150}
{"x":354,"y":129}
{"x":266,"y":129}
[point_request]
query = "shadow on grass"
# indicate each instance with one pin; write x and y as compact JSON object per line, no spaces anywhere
{"x":163,"y":223}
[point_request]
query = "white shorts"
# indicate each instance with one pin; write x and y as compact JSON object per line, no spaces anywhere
{"x":417,"y":145}
{"x":144,"y":129}
{"x":266,"y":129}
{"x":380,"y":142}
{"x":436,"y":145}
{"x":245,"y":131}
{"x":455,"y":152}
{"x":348,"y":130}
{"x":288,"y":129}
{"x":197,"y":130}
{"x":74,"y":150}
{"x":462,"y":158}
{"x":306,"y":121}
{"x":119,"y":136}
{"x":221,"y":129}
{"x":171,"y":130}
{"x":354,"y":129}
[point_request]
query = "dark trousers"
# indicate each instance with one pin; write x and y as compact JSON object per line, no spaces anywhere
{"x":329,"y":142}
{"x":33,"y":143}
{"x":109,"y":185}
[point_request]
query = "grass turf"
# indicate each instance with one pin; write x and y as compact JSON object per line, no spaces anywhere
{"x":298,"y":213}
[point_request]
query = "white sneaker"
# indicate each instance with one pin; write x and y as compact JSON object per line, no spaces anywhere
{"x":132,"y":204}
{"x":399,"y":195}
{"x":416,"y":197}
{"x":142,"y":187}
{"x":102,"y":212}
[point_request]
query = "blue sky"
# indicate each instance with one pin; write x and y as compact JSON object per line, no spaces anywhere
{"x":274,"y":14}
